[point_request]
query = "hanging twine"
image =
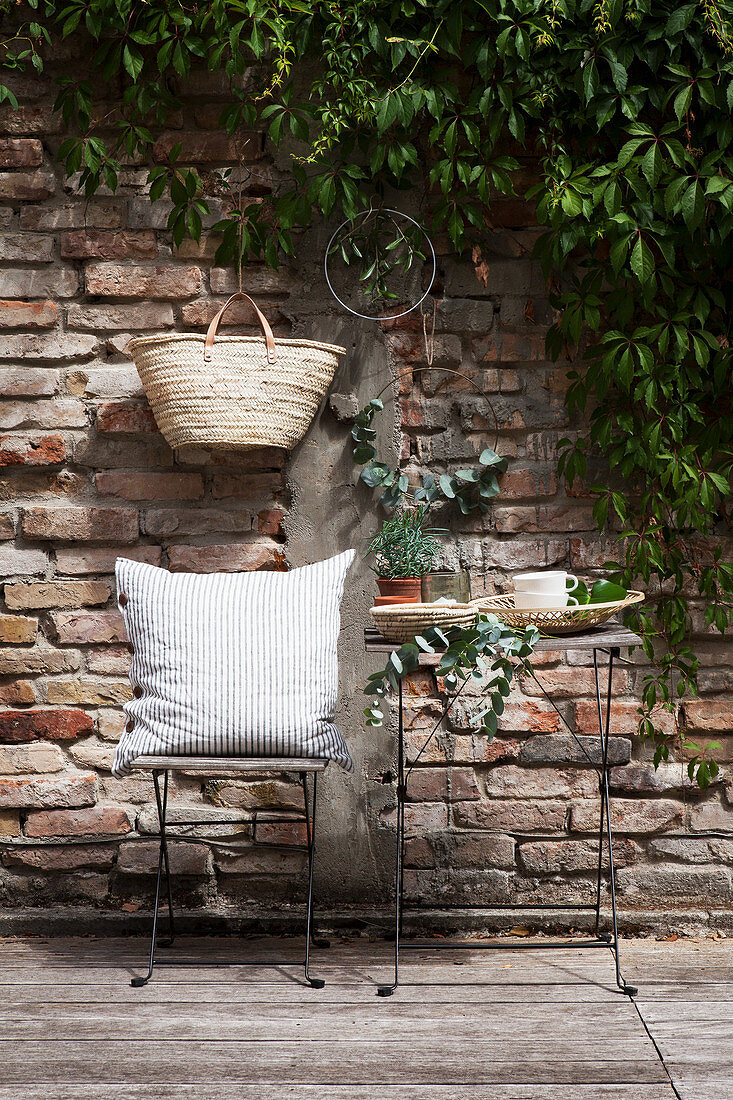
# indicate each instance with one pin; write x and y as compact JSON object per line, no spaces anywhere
{"x":429,"y":340}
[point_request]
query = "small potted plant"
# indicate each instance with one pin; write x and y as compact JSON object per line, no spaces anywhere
{"x":403,"y":553}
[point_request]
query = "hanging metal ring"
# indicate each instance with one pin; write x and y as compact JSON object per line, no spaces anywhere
{"x":391,"y":316}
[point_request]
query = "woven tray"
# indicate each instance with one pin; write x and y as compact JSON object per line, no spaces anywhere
{"x":401,"y":622}
{"x":555,"y":620}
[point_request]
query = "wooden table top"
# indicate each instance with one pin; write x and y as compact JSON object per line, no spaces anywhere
{"x":608,"y":636}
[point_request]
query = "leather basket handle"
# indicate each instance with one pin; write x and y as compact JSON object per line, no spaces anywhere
{"x":263,"y":322}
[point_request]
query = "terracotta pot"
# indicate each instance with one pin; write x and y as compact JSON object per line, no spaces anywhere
{"x":397,"y":590}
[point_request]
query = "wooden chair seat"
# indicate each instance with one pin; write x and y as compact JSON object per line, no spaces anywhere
{"x":210,"y":765}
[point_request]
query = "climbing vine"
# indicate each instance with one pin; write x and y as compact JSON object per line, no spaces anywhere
{"x":621,"y":109}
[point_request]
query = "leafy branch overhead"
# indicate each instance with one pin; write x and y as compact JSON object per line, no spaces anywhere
{"x":613,"y":119}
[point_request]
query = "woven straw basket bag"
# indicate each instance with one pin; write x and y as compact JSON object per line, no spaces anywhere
{"x":233,"y":392}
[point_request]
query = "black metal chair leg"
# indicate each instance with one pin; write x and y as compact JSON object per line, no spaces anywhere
{"x":388,"y":990}
{"x":630,"y":990}
{"x":164,"y":845}
{"x":137,"y":983}
{"x":310,"y":825}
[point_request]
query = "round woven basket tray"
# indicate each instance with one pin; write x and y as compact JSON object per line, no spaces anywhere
{"x":555,"y":620}
{"x":401,"y":622}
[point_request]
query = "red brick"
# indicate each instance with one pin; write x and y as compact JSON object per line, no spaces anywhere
{"x":514,"y":347}
{"x":17,"y":693}
{"x":116,"y":281}
{"x":101,"y":244}
{"x":510,"y":781}
{"x":9,"y":823}
{"x":232,"y":558}
{"x":209,"y":148}
{"x":709,"y":715}
{"x":572,"y":681}
{"x":142,"y":858}
{"x":17,"y":630}
{"x":28,"y":382}
{"x":93,"y":821}
{"x":282,"y":832}
{"x":60,"y":412}
{"x":17,"y":726}
{"x":520,"y":483}
{"x":479,"y":750}
{"x":246,"y":487}
{"x":196,"y":521}
{"x":81,"y":524}
{"x":45,"y":594}
{"x":546,"y":857}
{"x":36,"y":661}
{"x":530,"y":717}
{"x":14,"y":314}
{"x":95,"y":559}
{"x":125,"y":418}
{"x":624,"y":718}
{"x":42,"y":792}
{"x":140,"y":485}
{"x":628,"y":815}
{"x":37,"y":756}
{"x":92,"y":693}
{"x":30,"y":118}
{"x":28,"y":186}
{"x":126,"y":317}
{"x":23,"y":247}
{"x":112,"y":660}
{"x":20,"y":153}
{"x":73,"y":215}
{"x":82,"y":627}
{"x":98,"y":857}
{"x":270,"y":522}
{"x":45,"y":450}
{"x":511,"y":815}
{"x":201,"y":312}
{"x":543,"y":518}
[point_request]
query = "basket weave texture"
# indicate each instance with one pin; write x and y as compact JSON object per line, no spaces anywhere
{"x":555,"y":620}
{"x":401,"y":622}
{"x":246,"y":394}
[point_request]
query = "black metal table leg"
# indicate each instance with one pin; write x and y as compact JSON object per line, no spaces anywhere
{"x":310,"y":826}
{"x":388,"y":990}
{"x":605,"y":813}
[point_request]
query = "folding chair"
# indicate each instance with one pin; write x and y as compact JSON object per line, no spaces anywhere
{"x":241,"y":767}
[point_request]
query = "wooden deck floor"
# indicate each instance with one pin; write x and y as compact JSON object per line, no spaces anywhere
{"x":502,"y":1025}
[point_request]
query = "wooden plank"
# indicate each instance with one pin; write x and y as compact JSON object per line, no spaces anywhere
{"x":260,"y":1020}
{"x":211,"y":765}
{"x":606,"y":636}
{"x":414,"y":1062}
{"x":119,"y":991}
{"x":349,"y":1092}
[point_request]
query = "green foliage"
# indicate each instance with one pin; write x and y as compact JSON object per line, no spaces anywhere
{"x":627,"y":107}
{"x":403,"y":547}
{"x":469,"y":489}
{"x":484,"y":653}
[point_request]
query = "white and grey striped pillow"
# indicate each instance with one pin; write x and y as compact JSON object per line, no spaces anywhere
{"x":232,"y":664}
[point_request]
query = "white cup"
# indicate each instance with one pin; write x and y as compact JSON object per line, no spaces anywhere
{"x":550,"y":581}
{"x":523,"y":600}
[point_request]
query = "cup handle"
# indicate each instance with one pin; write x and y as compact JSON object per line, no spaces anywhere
{"x":572,"y":602}
{"x":571,"y":587}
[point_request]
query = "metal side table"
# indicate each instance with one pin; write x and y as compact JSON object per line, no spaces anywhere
{"x":610,"y":639}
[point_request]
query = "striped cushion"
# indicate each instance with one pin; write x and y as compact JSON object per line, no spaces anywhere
{"x":232,"y":664}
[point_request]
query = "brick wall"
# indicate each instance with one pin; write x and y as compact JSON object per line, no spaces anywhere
{"x":86,"y":476}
